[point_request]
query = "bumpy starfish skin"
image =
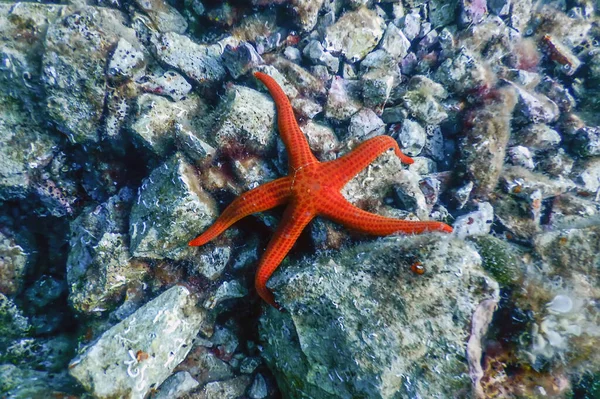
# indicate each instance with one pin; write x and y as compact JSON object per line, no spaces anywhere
{"x":311,"y":189}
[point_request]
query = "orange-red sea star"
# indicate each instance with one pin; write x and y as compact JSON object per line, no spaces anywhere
{"x":311,"y":189}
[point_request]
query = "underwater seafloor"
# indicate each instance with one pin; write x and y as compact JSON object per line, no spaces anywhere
{"x":126,"y":127}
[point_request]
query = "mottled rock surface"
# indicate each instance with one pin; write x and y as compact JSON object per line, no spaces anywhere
{"x":325,"y":345}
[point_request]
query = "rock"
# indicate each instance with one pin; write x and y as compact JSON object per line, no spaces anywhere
{"x":462,"y":72}
{"x":484,"y":145}
{"x":165,"y":17}
{"x":587,"y":141}
{"x":99,"y":264}
{"x":562,"y":55}
{"x":228,"y":290}
{"x":472,"y":11}
{"x":570,"y":211}
{"x":518,"y":216}
{"x":521,"y":156}
{"x":365,"y":124}
{"x":258,"y":390}
{"x":589,"y":176}
{"x":307,"y":12}
{"x":424,"y":107}
{"x":170,"y":208}
{"x":228,"y":389}
{"x":318,"y":56}
{"x":241,"y":59}
{"x":199,"y":62}
{"x":377,"y":85}
{"x":354,"y":44}
{"x":394,"y":42}
{"x":126,"y":62}
{"x":45,"y":291}
{"x":475,"y":223}
{"x":442,"y":12}
{"x":412,"y":138}
{"x":194,"y":147}
{"x":13,"y":265}
{"x":165,"y":83}
{"x":204,"y":365}
{"x":244,"y":118}
{"x":500,"y":258}
{"x":141,"y":351}
{"x":557,"y":163}
{"x":292,"y":54}
{"x":520,"y":14}
{"x":342,"y":99}
{"x":74,"y":80}
{"x":357,"y":287}
{"x":321,"y":140}
{"x":249,"y":364}
{"x":538,"y":137}
{"x":13,"y":324}
{"x":17,"y":382}
{"x":535,"y":108}
{"x":411,"y":24}
{"x":176,"y":386}
{"x":153,"y":123}
{"x":522,"y":182}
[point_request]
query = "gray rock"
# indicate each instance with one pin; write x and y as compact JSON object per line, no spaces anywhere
{"x":484,"y":145}
{"x":253,"y":171}
{"x":211,"y":261}
{"x":377,"y":85}
{"x":520,"y":14}
{"x":249,"y":364}
{"x":318,"y":56}
{"x":228,"y":389}
{"x":44,"y":291}
{"x":165,"y":17}
{"x":241,"y":59}
{"x":228,"y":290}
{"x":568,"y":63}
{"x":167,"y":83}
{"x":245,"y":117}
{"x":422,"y":319}
{"x":411,"y":24}
{"x":587,"y":141}
{"x":394,"y":42}
{"x":461,"y":72}
{"x":126,"y":62}
{"x":307,"y":12}
{"x":13,"y":324}
{"x":258,"y":390}
{"x":99,"y":265}
{"x":155,"y":117}
{"x":472,"y":11}
{"x":535,"y":108}
{"x":521,"y":156}
{"x":365,"y":124}
{"x":170,"y":208}
{"x":538,"y":137}
{"x":570,"y":211}
{"x":522,"y":182}
{"x":342,"y":99}
{"x":141,"y":351}
{"x":321,"y":140}
{"x":292,"y":54}
{"x":499,"y":7}
{"x":478,"y":222}
{"x":74,"y":80}
{"x":556,"y":163}
{"x":199,"y":62}
{"x":13,"y":265}
{"x":22,"y":383}
{"x":354,"y":44}
{"x":424,"y":106}
{"x":176,"y":386}
{"x":194,"y":147}
{"x":205,"y":366}
{"x":589,"y":176}
{"x":442,"y":12}
{"x":412,"y":137}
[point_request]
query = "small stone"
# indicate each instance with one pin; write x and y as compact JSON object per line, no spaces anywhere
{"x":365,"y":124}
{"x":176,"y":386}
{"x":478,"y":222}
{"x":241,"y":59}
{"x":430,"y":186}
{"x":472,"y":11}
{"x":292,"y":54}
{"x":353,"y":43}
{"x":394,"y":42}
{"x":249,"y":364}
{"x":199,"y":62}
{"x":412,"y":137}
{"x":168,"y":83}
{"x":13,"y":265}
{"x":557,"y":163}
{"x":228,"y":389}
{"x":376,"y":87}
{"x":155,"y":339}
{"x":569,"y":210}
{"x":461,"y":195}
{"x":411,"y":25}
{"x":194,"y":147}
{"x":521,"y":156}
{"x":587,"y":141}
{"x":589,"y":177}
{"x":245,"y":117}
{"x":169,"y":205}
{"x":538,"y":137}
{"x":424,"y":107}
{"x":166,"y":17}
{"x":126,"y":62}
{"x":395,"y":114}
{"x":499,"y":7}
{"x":307,"y":12}
{"x":342,"y":99}
{"x":258,"y":390}
{"x":211,"y":261}
{"x":228,"y":290}
{"x":317,"y":55}
{"x":321,"y":140}
{"x":535,"y":108}
{"x":253,"y":171}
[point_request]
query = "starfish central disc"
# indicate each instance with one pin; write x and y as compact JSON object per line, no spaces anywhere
{"x":312,"y":189}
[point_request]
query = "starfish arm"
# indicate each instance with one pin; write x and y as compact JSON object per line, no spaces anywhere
{"x":335,"y":207}
{"x":296,"y":144}
{"x":258,"y":199}
{"x":294,"y":219}
{"x":346,"y":167}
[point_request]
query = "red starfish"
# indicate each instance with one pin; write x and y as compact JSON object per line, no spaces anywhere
{"x":311,"y":189}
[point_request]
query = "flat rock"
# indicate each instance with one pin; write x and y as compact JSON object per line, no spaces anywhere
{"x":141,"y":351}
{"x":359,"y":323}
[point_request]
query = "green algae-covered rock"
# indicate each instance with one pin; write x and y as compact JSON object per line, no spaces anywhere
{"x":500,"y":259}
{"x":170,"y":209}
{"x":360,"y":323}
